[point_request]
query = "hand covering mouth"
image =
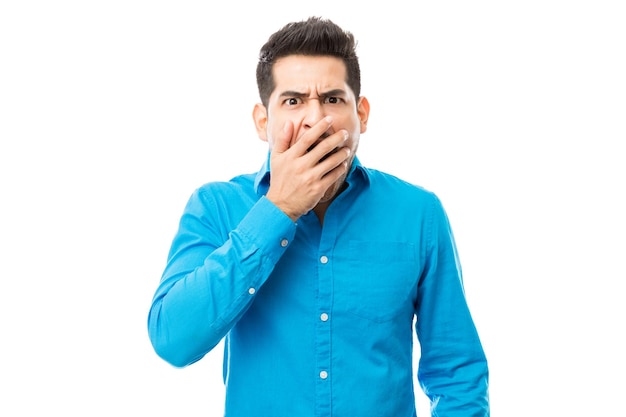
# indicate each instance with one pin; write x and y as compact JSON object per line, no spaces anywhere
{"x":324,"y":136}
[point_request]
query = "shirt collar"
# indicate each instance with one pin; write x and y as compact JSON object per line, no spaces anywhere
{"x":358,"y":175}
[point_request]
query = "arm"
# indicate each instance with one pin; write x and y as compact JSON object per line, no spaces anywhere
{"x":210,"y":282}
{"x":453,"y":368}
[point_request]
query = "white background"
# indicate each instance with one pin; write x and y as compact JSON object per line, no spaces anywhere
{"x":111,"y":113}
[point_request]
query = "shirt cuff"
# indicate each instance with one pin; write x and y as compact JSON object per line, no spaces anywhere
{"x":269,"y":227}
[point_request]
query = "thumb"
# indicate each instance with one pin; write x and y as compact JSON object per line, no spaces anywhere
{"x":283,"y":139}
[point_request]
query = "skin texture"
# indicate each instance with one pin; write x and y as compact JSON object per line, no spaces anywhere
{"x":312,"y":124}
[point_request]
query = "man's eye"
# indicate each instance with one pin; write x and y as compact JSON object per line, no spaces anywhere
{"x":292,"y":101}
{"x":333,"y":100}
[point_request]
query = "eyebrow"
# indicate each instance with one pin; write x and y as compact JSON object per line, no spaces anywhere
{"x":330,"y":93}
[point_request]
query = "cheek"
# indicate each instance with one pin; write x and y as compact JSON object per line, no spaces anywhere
{"x":270,"y":132}
{"x":353,"y":143}
{"x":354,"y":126}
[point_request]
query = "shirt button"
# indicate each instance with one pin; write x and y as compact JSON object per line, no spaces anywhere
{"x":251,"y":291}
{"x":284,"y":242}
{"x":324,"y":317}
{"x":324,"y":259}
{"x":323,"y":374}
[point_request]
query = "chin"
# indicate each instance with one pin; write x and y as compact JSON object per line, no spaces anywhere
{"x":329,"y":194}
{"x":327,"y":197}
{"x":333,"y":191}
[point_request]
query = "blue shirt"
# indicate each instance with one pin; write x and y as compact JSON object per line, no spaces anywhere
{"x":318,"y":320}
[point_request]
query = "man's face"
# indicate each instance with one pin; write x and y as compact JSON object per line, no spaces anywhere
{"x":308,"y":88}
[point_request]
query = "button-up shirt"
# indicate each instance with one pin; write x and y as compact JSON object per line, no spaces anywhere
{"x":318,"y":320}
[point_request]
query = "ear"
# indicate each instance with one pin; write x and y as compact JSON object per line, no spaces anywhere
{"x":259,"y":115}
{"x":363,"y":111}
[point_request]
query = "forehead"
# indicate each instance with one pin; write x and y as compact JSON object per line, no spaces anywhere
{"x":298,"y":72}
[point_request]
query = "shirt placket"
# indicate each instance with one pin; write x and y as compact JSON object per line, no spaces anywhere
{"x":324,"y":374}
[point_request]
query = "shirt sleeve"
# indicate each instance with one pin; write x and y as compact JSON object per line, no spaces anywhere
{"x":453,"y":370}
{"x":212,"y":276}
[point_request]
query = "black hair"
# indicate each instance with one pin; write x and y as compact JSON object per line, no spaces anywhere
{"x":314,"y":37}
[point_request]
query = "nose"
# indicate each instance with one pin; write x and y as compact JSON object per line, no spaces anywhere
{"x":314,"y":113}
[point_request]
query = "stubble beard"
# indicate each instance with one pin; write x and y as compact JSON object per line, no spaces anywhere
{"x":334,"y":190}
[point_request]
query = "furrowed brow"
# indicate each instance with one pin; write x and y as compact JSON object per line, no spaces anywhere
{"x":338,"y":92}
{"x":289,"y":93}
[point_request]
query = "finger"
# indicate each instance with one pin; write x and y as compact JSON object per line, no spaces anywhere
{"x":328,"y":146}
{"x":334,"y":161}
{"x":313,"y":135}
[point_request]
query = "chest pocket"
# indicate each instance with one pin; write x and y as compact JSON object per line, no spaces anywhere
{"x":380,"y":282}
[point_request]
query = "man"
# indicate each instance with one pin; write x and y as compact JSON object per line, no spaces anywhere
{"x":314,"y":269}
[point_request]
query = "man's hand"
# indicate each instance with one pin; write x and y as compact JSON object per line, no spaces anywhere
{"x":303,"y":169}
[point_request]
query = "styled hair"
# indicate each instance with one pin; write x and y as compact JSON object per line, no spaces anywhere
{"x":313,"y":37}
